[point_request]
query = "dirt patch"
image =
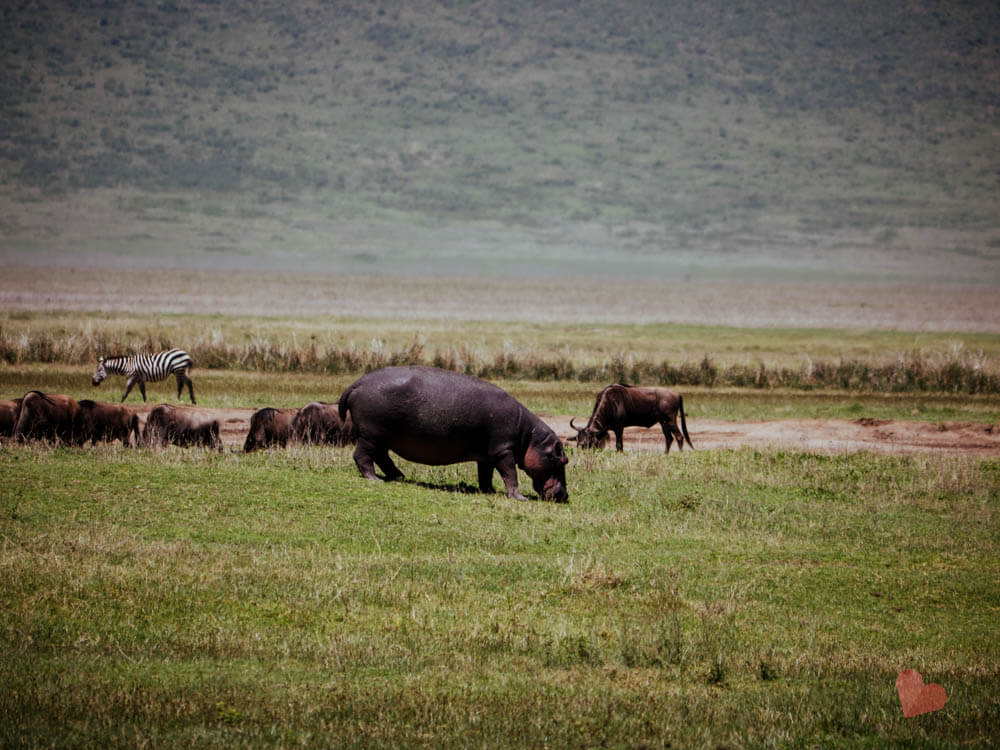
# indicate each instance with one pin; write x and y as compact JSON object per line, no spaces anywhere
{"x":815,"y":435}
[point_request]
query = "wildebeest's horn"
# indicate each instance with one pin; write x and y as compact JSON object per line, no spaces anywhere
{"x":578,"y":429}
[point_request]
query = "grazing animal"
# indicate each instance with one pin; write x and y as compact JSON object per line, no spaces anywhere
{"x":47,"y":416}
{"x":181,"y":426}
{"x":319,"y":422}
{"x":620,"y":406}
{"x":8,"y":416}
{"x":433,"y":416}
{"x":106,"y":422}
{"x":268,"y":427}
{"x":140,"y":368}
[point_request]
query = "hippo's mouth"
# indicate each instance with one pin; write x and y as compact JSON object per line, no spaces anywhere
{"x":554,"y":490}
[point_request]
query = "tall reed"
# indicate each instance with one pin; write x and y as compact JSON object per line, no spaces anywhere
{"x":954,"y":371}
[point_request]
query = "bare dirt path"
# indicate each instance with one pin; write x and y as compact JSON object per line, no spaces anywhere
{"x":816,"y":435}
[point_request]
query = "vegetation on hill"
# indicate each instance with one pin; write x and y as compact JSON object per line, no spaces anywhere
{"x":638,"y":128}
{"x":361,"y":133}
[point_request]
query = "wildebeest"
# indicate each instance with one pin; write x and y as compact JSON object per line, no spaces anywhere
{"x":269,"y":427}
{"x":619,"y":406}
{"x":181,"y":426}
{"x":140,"y":368}
{"x":433,"y":416}
{"x":8,"y":416}
{"x":319,"y":422}
{"x":106,"y":422}
{"x":46,"y":416}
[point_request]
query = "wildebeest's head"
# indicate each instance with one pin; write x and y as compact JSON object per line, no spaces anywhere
{"x":589,"y":437}
{"x":545,"y":462}
{"x":100,"y":373}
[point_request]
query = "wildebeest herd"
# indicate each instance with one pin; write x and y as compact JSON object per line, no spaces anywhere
{"x":423,"y":414}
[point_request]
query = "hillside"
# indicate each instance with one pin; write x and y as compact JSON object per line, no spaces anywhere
{"x":763,"y":139}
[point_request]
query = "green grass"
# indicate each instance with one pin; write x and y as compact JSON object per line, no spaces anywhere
{"x":719,"y":598}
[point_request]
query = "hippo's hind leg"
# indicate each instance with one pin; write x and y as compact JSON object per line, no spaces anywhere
{"x":368,"y":454}
{"x":485,"y":476}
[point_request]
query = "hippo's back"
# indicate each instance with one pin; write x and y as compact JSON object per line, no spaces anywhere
{"x":432,"y":415}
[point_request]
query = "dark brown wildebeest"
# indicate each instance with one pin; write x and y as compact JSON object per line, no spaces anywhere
{"x":106,"y":423}
{"x":319,"y":423}
{"x":46,"y":416}
{"x":268,"y":427}
{"x":619,"y":406}
{"x":181,"y":426}
{"x":8,"y":416}
{"x":433,"y":416}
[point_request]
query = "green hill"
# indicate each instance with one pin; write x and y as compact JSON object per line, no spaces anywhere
{"x":701,"y":137}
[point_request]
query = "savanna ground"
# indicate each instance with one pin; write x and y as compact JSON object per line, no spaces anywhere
{"x":763,"y":590}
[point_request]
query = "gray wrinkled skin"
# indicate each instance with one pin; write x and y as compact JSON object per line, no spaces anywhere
{"x":433,"y":416}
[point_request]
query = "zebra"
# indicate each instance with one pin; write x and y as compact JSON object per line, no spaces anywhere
{"x":151,"y":367}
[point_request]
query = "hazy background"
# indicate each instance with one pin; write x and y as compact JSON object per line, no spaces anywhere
{"x":702,"y":141}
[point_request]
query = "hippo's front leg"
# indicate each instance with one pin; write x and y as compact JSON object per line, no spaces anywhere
{"x":508,"y":473}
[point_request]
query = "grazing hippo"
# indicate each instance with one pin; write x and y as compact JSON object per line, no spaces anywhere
{"x":433,"y":416}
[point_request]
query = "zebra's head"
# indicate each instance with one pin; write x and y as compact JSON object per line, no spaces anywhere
{"x":100,"y":373}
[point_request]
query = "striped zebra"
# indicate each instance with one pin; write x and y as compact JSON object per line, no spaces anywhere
{"x":151,"y":367}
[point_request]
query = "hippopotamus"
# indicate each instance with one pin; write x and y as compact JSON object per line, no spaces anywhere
{"x":433,"y":416}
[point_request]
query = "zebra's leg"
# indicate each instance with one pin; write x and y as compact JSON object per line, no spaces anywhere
{"x":182,"y":378}
{"x":129,"y":384}
{"x":142,"y":388}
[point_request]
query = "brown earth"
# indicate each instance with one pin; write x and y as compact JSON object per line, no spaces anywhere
{"x":815,"y":435}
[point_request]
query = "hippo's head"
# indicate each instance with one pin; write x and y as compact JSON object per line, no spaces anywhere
{"x":545,"y":462}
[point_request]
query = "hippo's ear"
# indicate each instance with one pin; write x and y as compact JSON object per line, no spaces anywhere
{"x":560,"y":453}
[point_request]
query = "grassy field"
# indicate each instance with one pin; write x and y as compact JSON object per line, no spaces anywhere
{"x":714,"y":599}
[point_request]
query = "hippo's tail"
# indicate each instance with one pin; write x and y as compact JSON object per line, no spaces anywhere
{"x":342,"y":403}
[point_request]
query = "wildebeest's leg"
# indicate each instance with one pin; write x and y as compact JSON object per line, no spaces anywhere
{"x":485,"y":476}
{"x":507,"y":468}
{"x":142,"y":388}
{"x":668,"y":434}
{"x":620,"y":439}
